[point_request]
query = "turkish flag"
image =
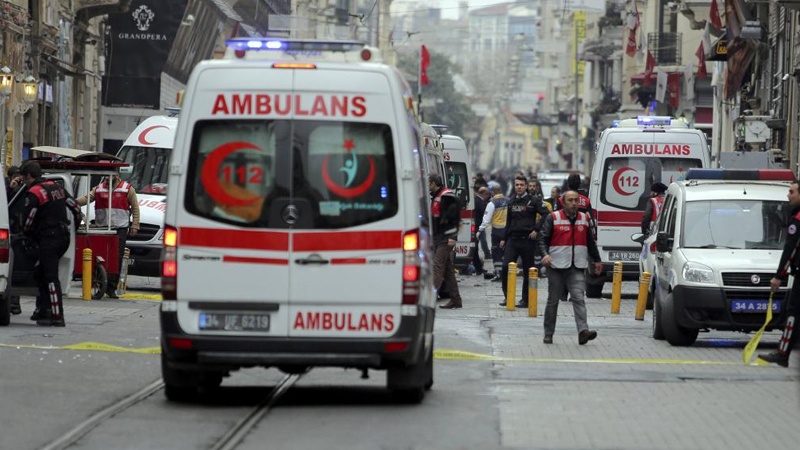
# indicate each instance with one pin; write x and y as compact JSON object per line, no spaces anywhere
{"x":631,"y":48}
{"x":674,"y":87}
{"x":701,"y":63}
{"x":714,"y":15}
{"x":424,"y":62}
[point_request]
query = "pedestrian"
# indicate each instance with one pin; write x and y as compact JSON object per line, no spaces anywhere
{"x":568,"y":245}
{"x":47,"y":226}
{"x":584,"y":205}
{"x":496,"y":216}
{"x":481,"y":199}
{"x":552,"y":201}
{"x":14,"y":181}
{"x":657,"y":193}
{"x":519,"y":240}
{"x":445,"y":218}
{"x":789,"y":265}
{"x":118,"y":206}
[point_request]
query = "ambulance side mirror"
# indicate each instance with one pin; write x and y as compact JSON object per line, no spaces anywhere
{"x":663,"y":242}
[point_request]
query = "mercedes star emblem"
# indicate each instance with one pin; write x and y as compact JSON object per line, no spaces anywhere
{"x":291,"y":214}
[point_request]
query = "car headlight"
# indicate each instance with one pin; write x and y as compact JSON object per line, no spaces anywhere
{"x":697,"y":273}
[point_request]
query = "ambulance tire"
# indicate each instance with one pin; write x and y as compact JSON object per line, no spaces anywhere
{"x":408,"y":384}
{"x":179,"y":386}
{"x":99,"y":281}
{"x":675,"y":334}
{"x":658,"y":329}
{"x":5,"y":310}
{"x":429,"y":368}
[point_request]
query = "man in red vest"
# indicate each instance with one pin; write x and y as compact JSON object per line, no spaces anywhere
{"x":119,"y":206}
{"x":653,"y":206}
{"x":567,"y":243}
{"x":445,"y":218}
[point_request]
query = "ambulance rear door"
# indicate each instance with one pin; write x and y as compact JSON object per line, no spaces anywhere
{"x":345,"y":205}
{"x":458,"y":177}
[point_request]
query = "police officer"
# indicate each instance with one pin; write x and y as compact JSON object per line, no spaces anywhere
{"x":120,"y":211}
{"x":496,"y":215}
{"x":520,"y":234}
{"x":789,"y":264}
{"x":445,"y":218}
{"x":567,"y":244}
{"x":46,"y":223}
{"x":653,"y":206}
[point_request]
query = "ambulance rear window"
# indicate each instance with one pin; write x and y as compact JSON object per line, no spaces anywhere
{"x":626,"y":181}
{"x":292,"y":174}
{"x":456,"y":179}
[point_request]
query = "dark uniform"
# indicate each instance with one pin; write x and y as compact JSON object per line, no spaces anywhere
{"x":789,"y":264}
{"x":46,"y":223}
{"x":445,"y":218}
{"x":522,"y":211}
{"x":480,"y":240}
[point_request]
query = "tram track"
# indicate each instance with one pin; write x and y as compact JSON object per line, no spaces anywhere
{"x":228,"y":441}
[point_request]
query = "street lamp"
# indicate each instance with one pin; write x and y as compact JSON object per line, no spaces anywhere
{"x":6,"y":83}
{"x":28,"y":92}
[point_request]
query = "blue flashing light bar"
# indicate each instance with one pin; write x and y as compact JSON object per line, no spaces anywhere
{"x":654,"y":120}
{"x":741,"y":174}
{"x":290,"y":45}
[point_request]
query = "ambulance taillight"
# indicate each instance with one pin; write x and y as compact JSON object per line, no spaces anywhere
{"x":4,"y":246}
{"x":411,"y":268}
{"x":169,"y":264}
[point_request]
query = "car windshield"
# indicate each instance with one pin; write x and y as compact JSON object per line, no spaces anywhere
{"x":738,"y":224}
{"x":147,"y":172}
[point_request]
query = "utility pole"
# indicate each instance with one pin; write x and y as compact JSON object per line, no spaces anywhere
{"x":576,"y":156}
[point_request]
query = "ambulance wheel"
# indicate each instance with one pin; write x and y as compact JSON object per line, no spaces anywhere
{"x":658,"y":329}
{"x":179,"y":386}
{"x":675,"y":334}
{"x":99,"y":281}
{"x":429,"y":369}
{"x":5,"y":310}
{"x":408,"y":383}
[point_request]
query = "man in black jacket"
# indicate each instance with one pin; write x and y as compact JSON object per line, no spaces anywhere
{"x":789,"y":264}
{"x":445,"y":218}
{"x":520,"y":234}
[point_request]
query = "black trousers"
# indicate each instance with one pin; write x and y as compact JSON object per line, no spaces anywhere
{"x":52,"y":246}
{"x":122,"y":240}
{"x":514,"y":249}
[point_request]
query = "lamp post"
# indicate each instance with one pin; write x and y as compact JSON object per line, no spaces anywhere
{"x":6,"y":87}
{"x":27,"y":93}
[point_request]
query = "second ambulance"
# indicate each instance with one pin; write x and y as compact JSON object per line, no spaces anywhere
{"x":297,"y":220}
{"x":629,"y":159}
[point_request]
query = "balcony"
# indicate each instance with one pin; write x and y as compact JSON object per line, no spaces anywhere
{"x":665,"y":47}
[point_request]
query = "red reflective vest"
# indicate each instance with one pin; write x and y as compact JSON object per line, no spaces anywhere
{"x":568,"y":242}
{"x":658,"y":202}
{"x":119,"y":211}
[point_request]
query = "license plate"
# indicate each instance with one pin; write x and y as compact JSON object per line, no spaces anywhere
{"x":754,"y":306}
{"x":463,"y":249}
{"x":234,"y":322}
{"x":624,"y":256}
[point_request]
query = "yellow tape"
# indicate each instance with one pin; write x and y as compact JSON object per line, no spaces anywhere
{"x":463,"y":355}
{"x":155,"y":297}
{"x":750,"y":348}
{"x":90,"y":346}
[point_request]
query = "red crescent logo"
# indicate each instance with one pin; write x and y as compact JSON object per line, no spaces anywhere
{"x":209,"y":175}
{"x":618,"y":175}
{"x":348,"y":192}
{"x":143,"y":135}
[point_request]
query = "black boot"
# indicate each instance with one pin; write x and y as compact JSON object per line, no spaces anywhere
{"x":775,"y":357}
{"x":14,"y":308}
{"x":788,"y":340}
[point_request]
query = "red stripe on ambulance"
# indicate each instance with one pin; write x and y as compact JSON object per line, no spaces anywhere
{"x":355,"y":240}
{"x":243,"y":239}
{"x":343,"y":321}
{"x":248,"y":260}
{"x":290,"y":104}
{"x":619,"y":218}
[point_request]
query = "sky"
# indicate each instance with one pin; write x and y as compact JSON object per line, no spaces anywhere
{"x":450,"y":7}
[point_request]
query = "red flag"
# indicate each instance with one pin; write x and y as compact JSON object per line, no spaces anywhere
{"x":714,"y":15}
{"x":424,"y":62}
{"x":648,"y":68}
{"x":701,"y":63}
{"x":631,"y":48}
{"x":674,"y":86}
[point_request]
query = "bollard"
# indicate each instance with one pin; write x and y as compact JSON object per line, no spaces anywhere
{"x":122,"y":284}
{"x":86,"y":278}
{"x":511,"y":286}
{"x":641,"y":301}
{"x":533,"y":292}
{"x":616,"y":287}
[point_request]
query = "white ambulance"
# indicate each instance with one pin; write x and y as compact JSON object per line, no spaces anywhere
{"x":629,"y":158}
{"x":458,"y":177}
{"x":719,"y":240}
{"x":147,"y":151}
{"x":296,"y":222}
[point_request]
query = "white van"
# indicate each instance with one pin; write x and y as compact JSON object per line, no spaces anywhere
{"x":719,"y":241}
{"x":629,"y":158}
{"x":458,"y":177}
{"x":147,"y":151}
{"x":5,"y":259}
{"x":296,"y":222}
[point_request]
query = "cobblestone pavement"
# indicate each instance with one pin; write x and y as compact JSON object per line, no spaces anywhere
{"x":623,"y":390}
